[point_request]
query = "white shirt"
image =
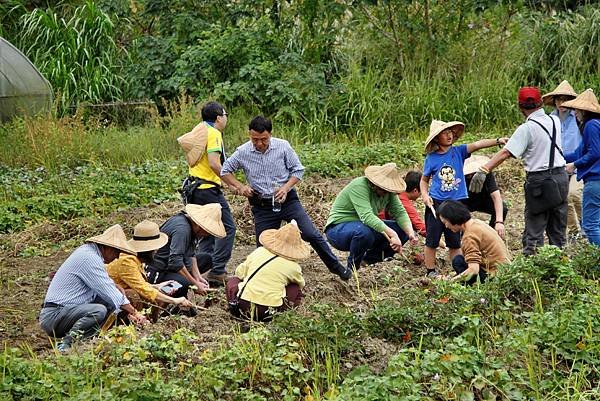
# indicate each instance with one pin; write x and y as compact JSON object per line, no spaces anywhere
{"x":532,"y":144}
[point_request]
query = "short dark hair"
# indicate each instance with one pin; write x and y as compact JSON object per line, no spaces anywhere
{"x":530,"y":105}
{"x":260,"y":124}
{"x":412,"y":180}
{"x":211,"y":110}
{"x":455,"y":212}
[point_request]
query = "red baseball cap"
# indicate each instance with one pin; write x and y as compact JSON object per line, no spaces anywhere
{"x":529,"y":95}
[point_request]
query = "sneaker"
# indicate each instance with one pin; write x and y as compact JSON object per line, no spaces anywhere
{"x":216,"y":279}
{"x":63,"y":346}
{"x":343,"y":272}
{"x":432,"y":274}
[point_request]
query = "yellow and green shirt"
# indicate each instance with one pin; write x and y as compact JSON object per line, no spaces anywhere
{"x":202,"y":169}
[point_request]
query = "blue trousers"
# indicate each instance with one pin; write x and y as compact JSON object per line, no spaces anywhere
{"x":362,"y":241}
{"x":265,"y":218}
{"x":590,"y":218}
{"x":219,"y":248}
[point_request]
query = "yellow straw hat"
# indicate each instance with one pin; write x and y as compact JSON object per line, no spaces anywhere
{"x":194,"y":143}
{"x":586,"y":101}
{"x":473,"y":163}
{"x":147,"y":237}
{"x":115,"y":238}
{"x":437,"y":127}
{"x":563,"y":89}
{"x":387,"y":177}
{"x":208,"y":217}
{"x":285,"y":242}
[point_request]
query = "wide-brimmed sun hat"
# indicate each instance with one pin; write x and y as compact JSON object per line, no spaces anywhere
{"x":285,"y":242}
{"x":194,"y":143}
{"x":115,"y":238}
{"x":208,"y":217}
{"x":586,"y":101}
{"x":147,"y":237}
{"x":386,"y":177}
{"x":473,"y":163}
{"x":437,"y":127}
{"x":563,"y":89}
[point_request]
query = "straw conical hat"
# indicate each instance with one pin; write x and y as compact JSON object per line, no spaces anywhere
{"x":285,"y":242}
{"x":563,"y":89}
{"x":586,"y":101}
{"x":194,"y":143}
{"x":115,"y":238}
{"x":147,"y":237}
{"x":386,"y":177}
{"x":208,"y":217}
{"x":473,"y":163}
{"x":437,"y":127}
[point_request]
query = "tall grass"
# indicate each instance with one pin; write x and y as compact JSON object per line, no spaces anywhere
{"x":78,"y":55}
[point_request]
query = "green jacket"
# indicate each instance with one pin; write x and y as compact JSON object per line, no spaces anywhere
{"x":359,"y":202}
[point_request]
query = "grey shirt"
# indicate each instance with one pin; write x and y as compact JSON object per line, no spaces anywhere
{"x":178,"y":252}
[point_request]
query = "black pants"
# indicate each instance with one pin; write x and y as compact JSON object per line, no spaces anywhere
{"x":459,"y":264}
{"x":486,"y":206}
{"x":552,"y":221}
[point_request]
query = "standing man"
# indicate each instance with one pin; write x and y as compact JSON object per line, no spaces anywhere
{"x":81,"y":294}
{"x":205,"y":175}
{"x":272,"y":169}
{"x":538,"y":143}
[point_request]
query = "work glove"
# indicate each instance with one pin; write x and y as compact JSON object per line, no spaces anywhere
{"x":478,"y":179}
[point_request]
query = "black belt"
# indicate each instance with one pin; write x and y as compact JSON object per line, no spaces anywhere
{"x":555,"y":170}
{"x":261,"y":202}
{"x":51,"y":305}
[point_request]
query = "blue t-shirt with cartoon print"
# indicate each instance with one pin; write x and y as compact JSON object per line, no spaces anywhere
{"x":446,"y":175}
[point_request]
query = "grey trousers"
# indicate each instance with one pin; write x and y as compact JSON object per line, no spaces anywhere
{"x":553,"y":221}
{"x":70,"y":321}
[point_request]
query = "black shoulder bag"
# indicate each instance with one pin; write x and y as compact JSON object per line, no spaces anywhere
{"x":234,"y":304}
{"x":545,"y":194}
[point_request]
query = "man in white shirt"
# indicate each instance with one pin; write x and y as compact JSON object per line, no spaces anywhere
{"x":547,"y":182}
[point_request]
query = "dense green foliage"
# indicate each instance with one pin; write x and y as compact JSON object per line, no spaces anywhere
{"x":363,"y":69}
{"x":531,"y":333}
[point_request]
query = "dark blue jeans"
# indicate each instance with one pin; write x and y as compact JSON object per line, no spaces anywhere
{"x":265,"y":218}
{"x":459,"y":264}
{"x":362,"y":241}
{"x":219,"y":248}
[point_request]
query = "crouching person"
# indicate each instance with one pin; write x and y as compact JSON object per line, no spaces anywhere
{"x":269,"y":280}
{"x":82,"y":295}
{"x":176,"y":259}
{"x":128,"y":270}
{"x":482,"y":248}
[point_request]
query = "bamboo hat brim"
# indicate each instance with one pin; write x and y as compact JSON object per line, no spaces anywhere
{"x":387,"y":177}
{"x":473,"y":163}
{"x":563,"y":89}
{"x":586,"y":101}
{"x":194,"y":143}
{"x":115,"y":238}
{"x":147,"y":237}
{"x":437,"y":127}
{"x":208,"y":217}
{"x":285,"y":242}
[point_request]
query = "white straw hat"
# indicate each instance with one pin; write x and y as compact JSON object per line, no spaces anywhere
{"x":208,"y":217}
{"x":563,"y":89}
{"x":147,"y":237}
{"x":285,"y":242}
{"x":586,"y":101}
{"x":437,"y":127}
{"x":115,"y":238}
{"x":473,"y":163}
{"x":194,"y":143}
{"x":387,"y":177}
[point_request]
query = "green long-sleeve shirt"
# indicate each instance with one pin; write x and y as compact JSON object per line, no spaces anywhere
{"x":358,"y":201}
